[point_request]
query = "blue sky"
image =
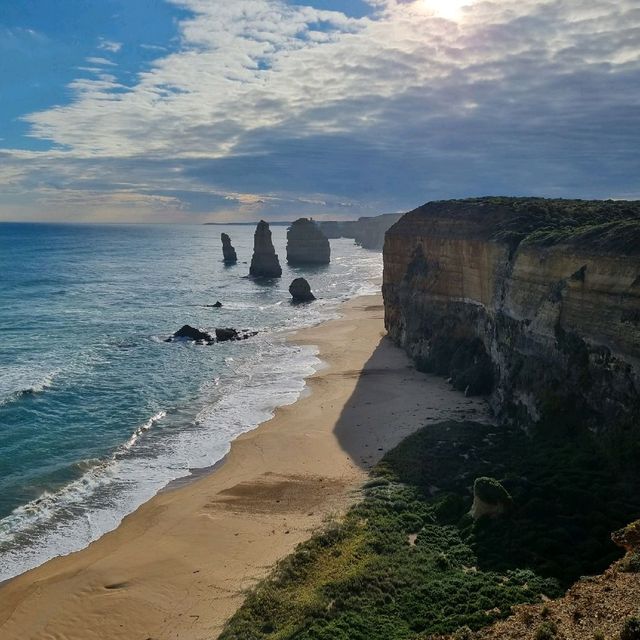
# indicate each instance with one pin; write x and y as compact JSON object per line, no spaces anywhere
{"x":195,"y":110}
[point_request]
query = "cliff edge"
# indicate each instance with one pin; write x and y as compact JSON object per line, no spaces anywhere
{"x":533,"y":302}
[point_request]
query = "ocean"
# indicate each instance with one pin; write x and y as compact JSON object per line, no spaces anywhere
{"x":97,"y":411}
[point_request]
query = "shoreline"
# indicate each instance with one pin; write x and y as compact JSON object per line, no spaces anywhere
{"x":181,"y":562}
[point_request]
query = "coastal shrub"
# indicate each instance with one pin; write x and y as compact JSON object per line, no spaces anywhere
{"x":489,"y":490}
{"x":407,"y":562}
{"x":630,"y":629}
{"x":631,"y":563}
{"x":546,"y":631}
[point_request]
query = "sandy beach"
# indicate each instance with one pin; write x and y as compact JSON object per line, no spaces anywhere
{"x":178,"y":567}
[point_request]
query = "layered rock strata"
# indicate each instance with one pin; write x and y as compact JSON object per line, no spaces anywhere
{"x":265,"y":262}
{"x":228,"y":252}
{"x":368,"y":232}
{"x":534,"y":302}
{"x":307,"y":244}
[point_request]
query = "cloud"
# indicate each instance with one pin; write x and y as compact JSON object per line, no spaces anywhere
{"x":109,"y":45}
{"x":278,"y":109}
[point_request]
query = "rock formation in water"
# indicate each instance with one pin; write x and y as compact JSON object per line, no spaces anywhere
{"x":534,"y":302}
{"x":300,"y":291}
{"x":264,"y":263}
{"x":368,"y":232}
{"x":188,"y":332}
{"x":228,"y":252}
{"x":307,"y":244}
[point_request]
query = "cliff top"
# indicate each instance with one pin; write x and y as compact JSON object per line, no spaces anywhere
{"x":596,"y":225}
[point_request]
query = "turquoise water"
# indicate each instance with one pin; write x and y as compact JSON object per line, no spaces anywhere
{"x":97,"y":412}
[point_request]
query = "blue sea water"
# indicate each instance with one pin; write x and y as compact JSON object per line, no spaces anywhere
{"x":97,"y":411}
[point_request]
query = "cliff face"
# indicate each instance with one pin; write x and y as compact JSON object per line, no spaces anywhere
{"x":534,"y":302}
{"x":307,"y":244}
{"x":367,"y":232}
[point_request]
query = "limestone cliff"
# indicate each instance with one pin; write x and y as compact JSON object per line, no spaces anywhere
{"x":307,"y":244}
{"x":368,"y":232}
{"x":534,"y":302}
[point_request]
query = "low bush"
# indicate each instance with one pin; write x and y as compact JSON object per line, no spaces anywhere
{"x":630,"y":629}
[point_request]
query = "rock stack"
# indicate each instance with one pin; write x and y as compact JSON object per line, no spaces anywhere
{"x":228,"y":252}
{"x":301,"y":291}
{"x":264,"y":263}
{"x":307,"y":244}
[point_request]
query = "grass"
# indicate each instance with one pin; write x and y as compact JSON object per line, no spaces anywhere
{"x":408,"y":561}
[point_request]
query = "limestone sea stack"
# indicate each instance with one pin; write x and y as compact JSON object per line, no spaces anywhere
{"x":228,"y":252}
{"x":307,"y":244}
{"x":264,"y":263}
{"x":300,"y":291}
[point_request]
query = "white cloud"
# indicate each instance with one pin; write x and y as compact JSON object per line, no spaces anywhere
{"x":109,"y":45}
{"x":535,"y":91}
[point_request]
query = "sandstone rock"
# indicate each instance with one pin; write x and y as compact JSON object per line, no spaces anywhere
{"x":482,"y":292}
{"x":300,"y":291}
{"x":264,"y":263}
{"x":228,"y":252}
{"x":490,"y":499}
{"x":628,"y":538}
{"x":307,"y":244}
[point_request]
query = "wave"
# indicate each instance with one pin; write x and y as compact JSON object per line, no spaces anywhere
{"x":63,"y":521}
{"x":14,"y":395}
{"x":27,"y":519}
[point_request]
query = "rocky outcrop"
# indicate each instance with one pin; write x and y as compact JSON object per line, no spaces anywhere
{"x":490,"y":499}
{"x":228,"y":252}
{"x":300,"y":291}
{"x":306,"y":244}
{"x":534,"y":302}
{"x":264,"y":263}
{"x":368,"y":232}
{"x":188,"y":332}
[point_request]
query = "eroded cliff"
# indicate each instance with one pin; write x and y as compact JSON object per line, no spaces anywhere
{"x":535,"y":302}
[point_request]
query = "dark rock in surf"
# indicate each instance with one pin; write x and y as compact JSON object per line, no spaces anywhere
{"x":228,"y":252}
{"x":265,"y":263}
{"x":191,"y":333}
{"x":300,"y":291}
{"x":307,"y":244}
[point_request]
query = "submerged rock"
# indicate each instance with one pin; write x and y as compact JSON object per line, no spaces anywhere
{"x":228,"y":252}
{"x":307,"y":244}
{"x":264,"y":263}
{"x":300,"y":291}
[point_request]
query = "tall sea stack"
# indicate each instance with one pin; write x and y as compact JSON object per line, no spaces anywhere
{"x":307,"y":244}
{"x":228,"y":252}
{"x":264,"y":263}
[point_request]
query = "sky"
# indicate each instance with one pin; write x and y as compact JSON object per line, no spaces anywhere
{"x":221,"y":110}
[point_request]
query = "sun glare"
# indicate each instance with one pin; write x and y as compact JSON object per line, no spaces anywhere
{"x":449,"y":9}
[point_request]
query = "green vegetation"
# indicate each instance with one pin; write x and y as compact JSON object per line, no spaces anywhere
{"x":546,"y":631}
{"x":630,"y":629}
{"x":489,"y":490}
{"x":603,"y":225}
{"x":408,"y":561}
